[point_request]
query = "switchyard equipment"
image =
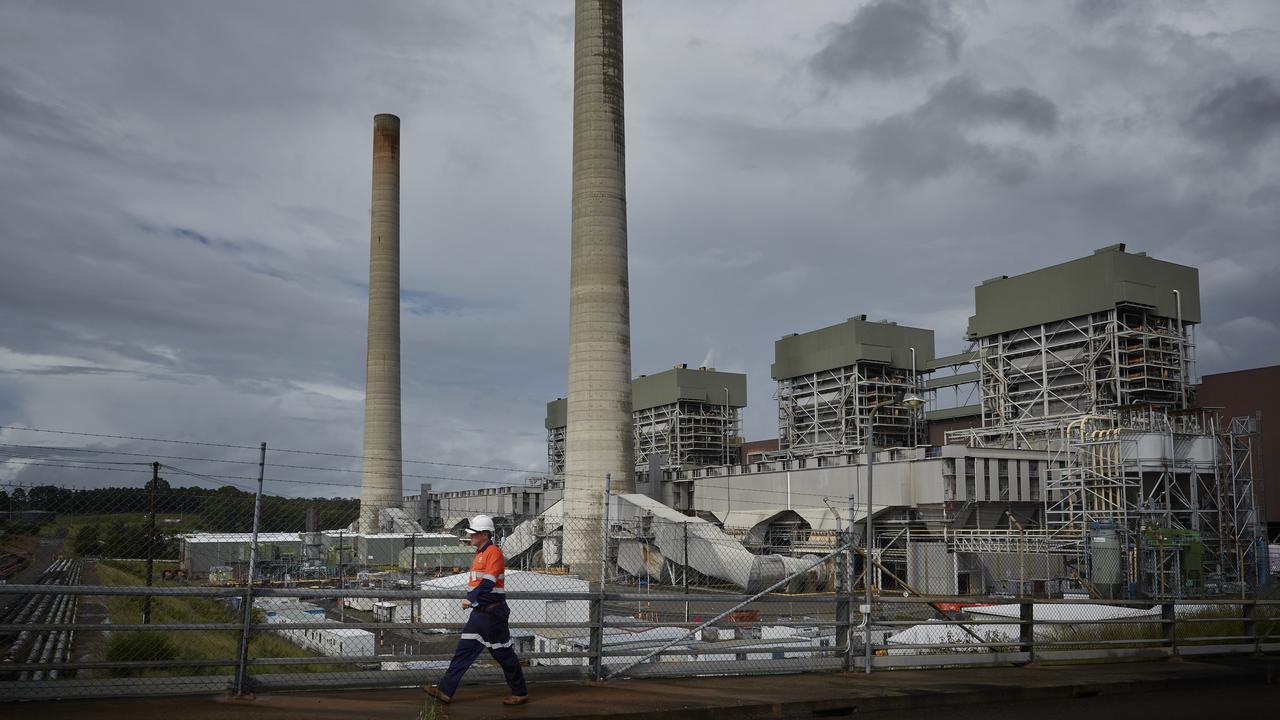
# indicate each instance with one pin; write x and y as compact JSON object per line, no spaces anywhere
{"x":837,"y":382}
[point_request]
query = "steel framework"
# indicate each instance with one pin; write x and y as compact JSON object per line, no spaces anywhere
{"x":1240,"y":530}
{"x":688,"y":433}
{"x":1104,"y":396}
{"x":1090,"y":364}
{"x":827,"y":412}
{"x":555,"y":450}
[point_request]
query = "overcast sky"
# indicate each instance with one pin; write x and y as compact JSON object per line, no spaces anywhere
{"x":184,"y":194}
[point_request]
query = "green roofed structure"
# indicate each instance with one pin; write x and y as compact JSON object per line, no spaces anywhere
{"x":837,"y":382}
{"x":1106,"y":331}
{"x":688,"y":416}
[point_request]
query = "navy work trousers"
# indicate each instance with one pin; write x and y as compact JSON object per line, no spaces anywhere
{"x":486,"y":628}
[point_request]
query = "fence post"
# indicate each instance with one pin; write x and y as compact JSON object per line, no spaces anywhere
{"x":151,"y":538}
{"x":1251,"y":625}
{"x":1027,"y":629}
{"x":242,"y":669}
{"x":1169,"y":621}
{"x":597,"y":607}
{"x":844,"y":605}
{"x":597,"y":638}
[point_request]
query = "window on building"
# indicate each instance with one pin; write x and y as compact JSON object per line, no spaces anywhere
{"x":970,"y":479}
{"x":986,"y":479}
{"x":1033,"y":479}
{"x":1003,"y":479}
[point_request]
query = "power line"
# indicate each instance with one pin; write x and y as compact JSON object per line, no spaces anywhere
{"x":447,"y":478}
{"x":496,"y":468}
{"x":95,"y":451}
{"x":35,"y":463}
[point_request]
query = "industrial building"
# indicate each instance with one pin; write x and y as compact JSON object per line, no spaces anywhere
{"x":334,"y":642}
{"x":839,"y":383}
{"x":508,"y":504}
{"x":1253,"y":393}
{"x":681,"y":418}
{"x":199,"y":552}
{"x":1108,"y":331}
{"x":1069,"y":431}
{"x":432,"y":559}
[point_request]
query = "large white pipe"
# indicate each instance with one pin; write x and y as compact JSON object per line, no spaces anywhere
{"x":381,"y":480}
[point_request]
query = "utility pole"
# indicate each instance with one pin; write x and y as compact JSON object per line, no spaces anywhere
{"x":151,"y":539}
{"x":342,"y":581}
{"x":869,"y":543}
{"x":413,"y":573}
{"x":242,"y":674}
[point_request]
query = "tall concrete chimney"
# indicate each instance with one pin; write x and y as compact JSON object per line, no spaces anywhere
{"x":598,"y":438}
{"x":381,"y":481}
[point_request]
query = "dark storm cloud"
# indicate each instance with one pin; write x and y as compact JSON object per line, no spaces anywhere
{"x":1102,"y":10}
{"x":962,"y":101}
{"x":1240,"y":116}
{"x":932,"y":139}
{"x":890,"y":38}
{"x":184,"y":193}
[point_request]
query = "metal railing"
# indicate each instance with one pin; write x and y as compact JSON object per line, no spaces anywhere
{"x":750,"y":638}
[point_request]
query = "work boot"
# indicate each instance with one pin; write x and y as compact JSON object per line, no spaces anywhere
{"x":434,"y":692}
{"x":516,"y":700}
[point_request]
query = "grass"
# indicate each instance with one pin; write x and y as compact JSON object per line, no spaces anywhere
{"x":196,"y":644}
{"x":1209,"y":623}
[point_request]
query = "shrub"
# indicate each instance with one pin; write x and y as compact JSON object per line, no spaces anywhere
{"x":148,"y":645}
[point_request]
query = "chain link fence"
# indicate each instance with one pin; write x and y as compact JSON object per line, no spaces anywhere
{"x":153,"y":579}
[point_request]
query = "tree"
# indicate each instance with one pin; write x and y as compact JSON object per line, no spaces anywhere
{"x":88,"y":541}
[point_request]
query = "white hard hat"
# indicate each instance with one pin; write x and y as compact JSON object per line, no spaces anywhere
{"x":480,"y":523}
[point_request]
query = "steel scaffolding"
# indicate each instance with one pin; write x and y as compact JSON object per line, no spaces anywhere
{"x":1240,"y":531}
{"x":555,"y":450}
{"x":828,"y":412}
{"x":1090,"y":364}
{"x":688,"y":433}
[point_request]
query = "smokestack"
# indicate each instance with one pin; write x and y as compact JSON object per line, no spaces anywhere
{"x":380,"y":485}
{"x":598,"y":438}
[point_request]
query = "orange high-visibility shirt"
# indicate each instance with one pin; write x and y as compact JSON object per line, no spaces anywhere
{"x":486,"y":582}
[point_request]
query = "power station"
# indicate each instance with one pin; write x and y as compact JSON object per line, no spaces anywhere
{"x":1068,"y":431}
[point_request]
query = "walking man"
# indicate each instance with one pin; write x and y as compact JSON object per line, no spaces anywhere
{"x":487,"y":625}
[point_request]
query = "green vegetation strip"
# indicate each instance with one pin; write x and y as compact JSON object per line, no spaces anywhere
{"x":159,"y":645}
